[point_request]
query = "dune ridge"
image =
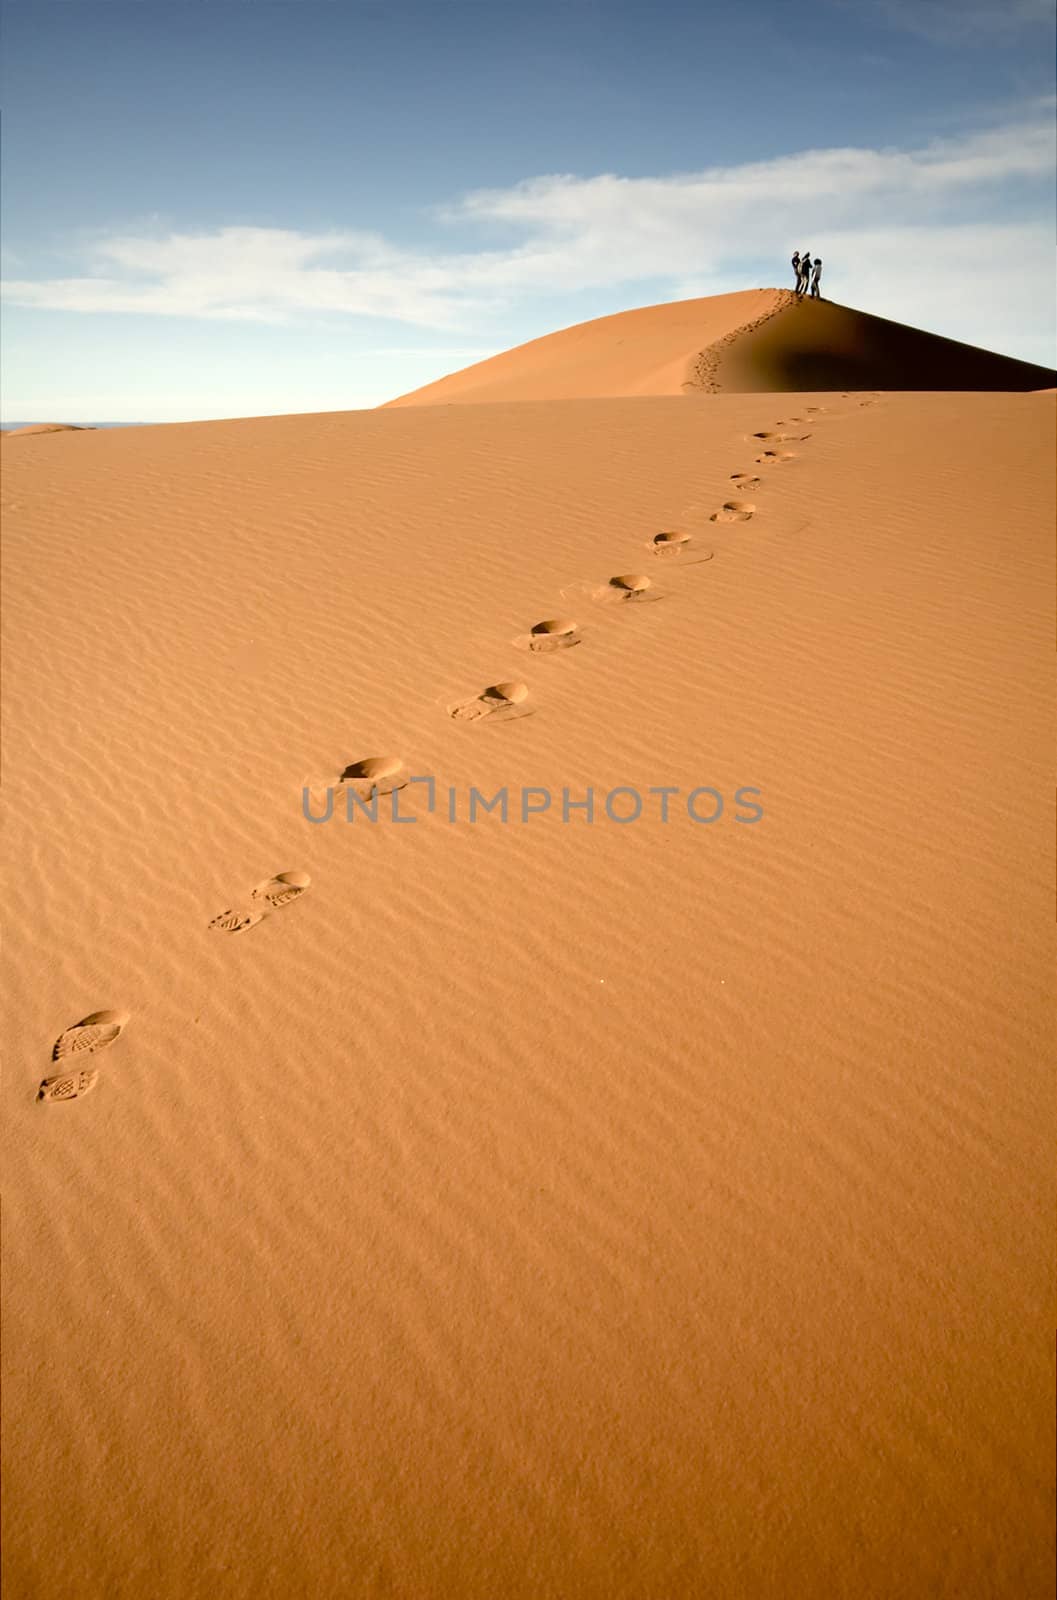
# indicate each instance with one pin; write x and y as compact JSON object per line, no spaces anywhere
{"x":534,"y":1208}
{"x":757,"y":341}
{"x":47,"y":427}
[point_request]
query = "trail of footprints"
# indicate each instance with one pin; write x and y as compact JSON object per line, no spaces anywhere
{"x":503,"y":701}
{"x":705,"y":373}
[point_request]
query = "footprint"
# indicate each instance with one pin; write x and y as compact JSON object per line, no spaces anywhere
{"x":747,"y":480}
{"x":68,"y":1085}
{"x":366,"y":779}
{"x":734,"y":511}
{"x":625,"y":588}
{"x":681,"y":546}
{"x":669,"y":543}
{"x":629,"y":588}
{"x":553,"y":633}
{"x":384,"y":773}
{"x":280,"y":890}
{"x":775,"y":458}
{"x":232,"y":921}
{"x":92,"y":1033}
{"x":501,"y":700}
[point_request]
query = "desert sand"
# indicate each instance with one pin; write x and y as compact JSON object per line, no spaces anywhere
{"x":536,"y":1208}
{"x":47,"y":427}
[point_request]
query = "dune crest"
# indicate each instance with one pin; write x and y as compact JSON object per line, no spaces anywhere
{"x":48,"y":427}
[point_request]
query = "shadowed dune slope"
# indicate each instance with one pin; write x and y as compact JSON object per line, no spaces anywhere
{"x":817,"y":345}
{"x":757,"y":341}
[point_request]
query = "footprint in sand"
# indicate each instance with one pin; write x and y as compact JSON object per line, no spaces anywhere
{"x":280,"y":890}
{"x":625,"y":588}
{"x":734,"y":511}
{"x":669,"y":543}
{"x":553,"y":633}
{"x":232,"y":921}
{"x":775,"y":458}
{"x":270,"y":895}
{"x":92,"y":1033}
{"x":382,"y":773}
{"x":68,"y":1085}
{"x":745,"y":480}
{"x":672,"y":545}
{"x":628,"y":588}
{"x":367,"y":778}
{"x":500,"y":702}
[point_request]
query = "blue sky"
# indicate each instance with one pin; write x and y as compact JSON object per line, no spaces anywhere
{"x":237,"y":207}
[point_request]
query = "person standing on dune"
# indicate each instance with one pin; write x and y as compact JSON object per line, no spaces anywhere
{"x":816,"y":273}
{"x":805,"y":273}
{"x":796,"y":269}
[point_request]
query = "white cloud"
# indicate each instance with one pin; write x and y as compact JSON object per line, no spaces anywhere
{"x":905,"y":233}
{"x":239,"y":274}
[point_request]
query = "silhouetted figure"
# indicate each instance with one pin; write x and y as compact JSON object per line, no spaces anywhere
{"x":805,"y":273}
{"x":796,"y":269}
{"x":816,"y":273}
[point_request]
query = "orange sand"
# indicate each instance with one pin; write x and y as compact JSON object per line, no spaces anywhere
{"x":758,"y":341}
{"x":535,"y":1210}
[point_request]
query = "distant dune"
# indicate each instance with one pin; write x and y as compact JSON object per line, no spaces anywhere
{"x":47,"y":427}
{"x":757,"y":341}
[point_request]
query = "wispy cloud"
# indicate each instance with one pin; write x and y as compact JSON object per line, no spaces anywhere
{"x":966,"y":22}
{"x":242,"y":274}
{"x":888,"y":221}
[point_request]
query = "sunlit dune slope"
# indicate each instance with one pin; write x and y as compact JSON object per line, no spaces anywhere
{"x":564,"y":1203}
{"x":757,"y":341}
{"x":649,"y":351}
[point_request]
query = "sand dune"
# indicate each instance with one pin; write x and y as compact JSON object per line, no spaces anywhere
{"x":758,"y":341}
{"x":534,"y":1208}
{"x":645,"y":352}
{"x":46,"y":427}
